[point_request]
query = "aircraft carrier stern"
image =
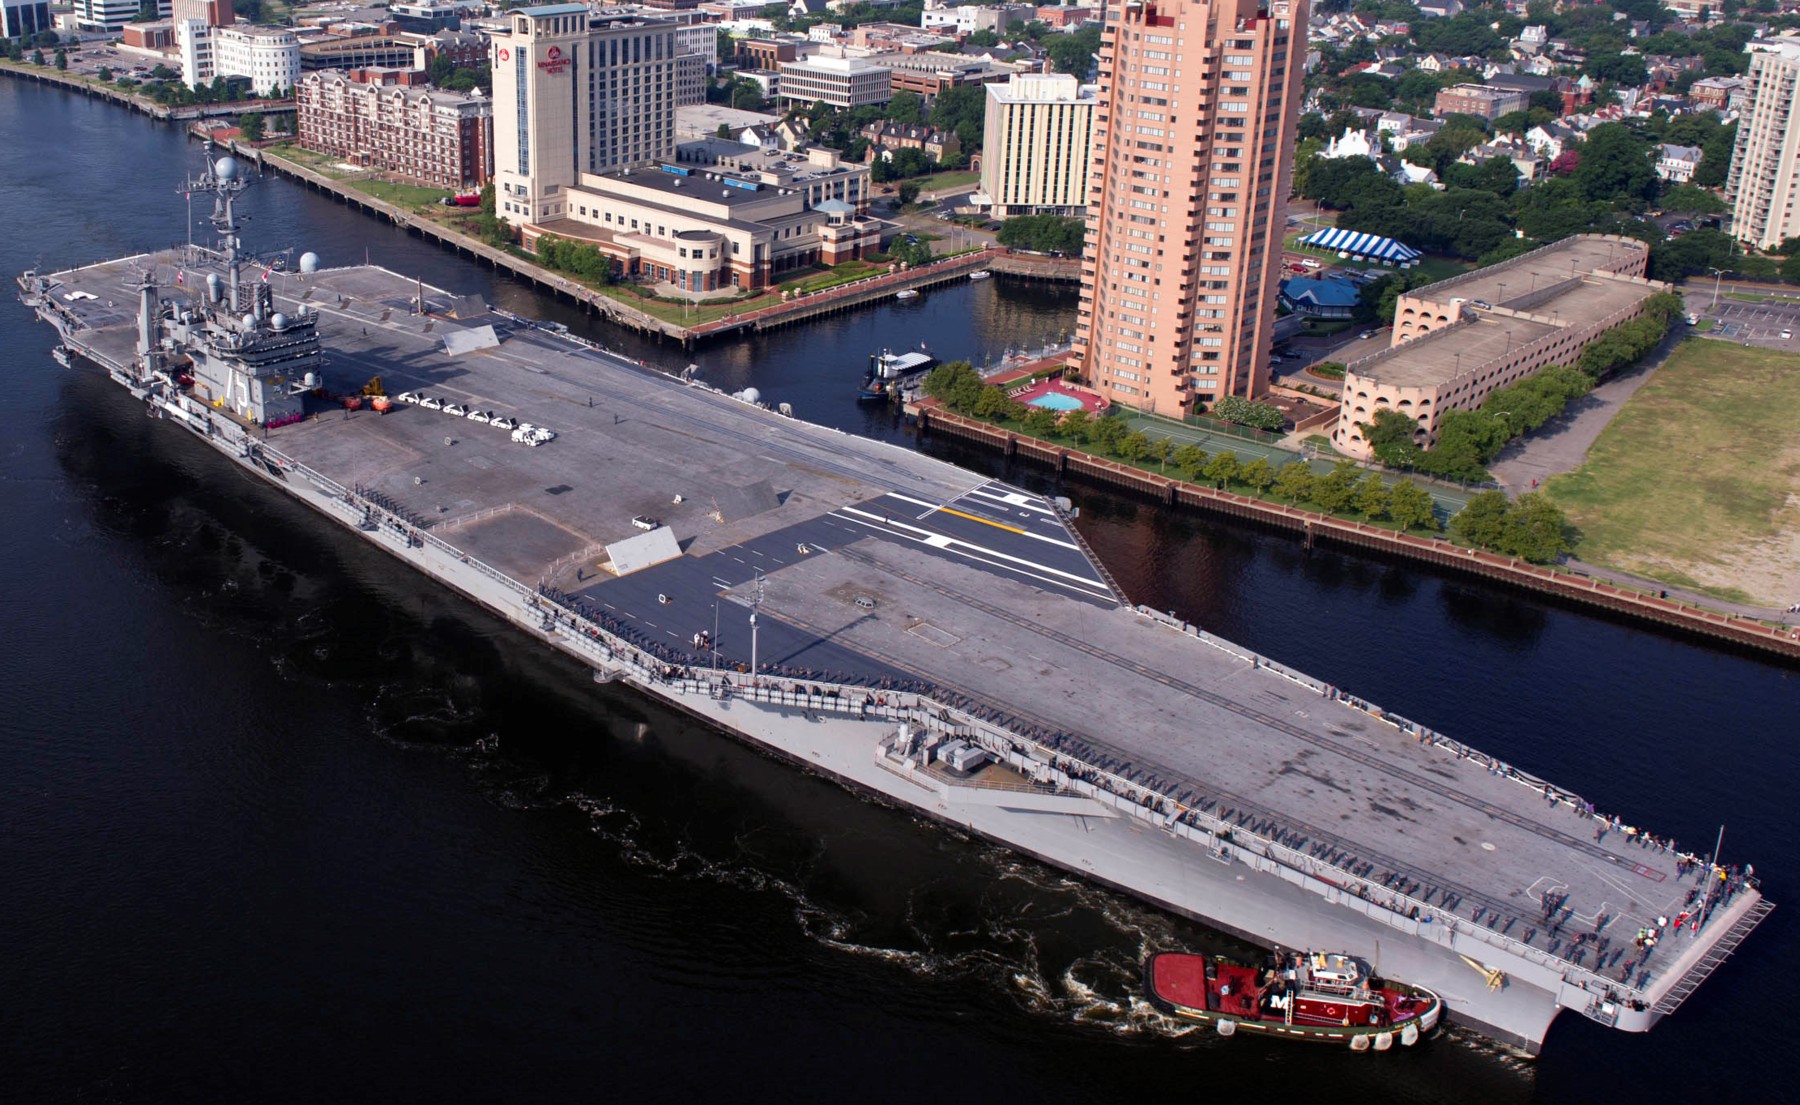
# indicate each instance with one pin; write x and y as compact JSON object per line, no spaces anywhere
{"x":914,"y":630}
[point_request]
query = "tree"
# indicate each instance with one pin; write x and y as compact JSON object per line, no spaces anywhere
{"x":1159,"y":452}
{"x":1410,"y":506}
{"x":1243,"y":412}
{"x":1108,"y":433}
{"x":1074,"y":53}
{"x":1688,"y":199}
{"x":747,"y":96}
{"x":250,"y":125}
{"x":105,"y":75}
{"x":1294,"y":481}
{"x":1372,"y":497}
{"x":993,"y":405}
{"x":1616,"y":166}
{"x":961,"y":111}
{"x":1337,"y":490}
{"x":954,"y":383}
{"x":983,"y":38}
{"x":906,"y":108}
{"x":1390,"y":435}
{"x":1482,"y":521}
{"x":1790,"y":269}
{"x":62,"y":58}
{"x":1043,"y":233}
{"x":1536,"y":530}
{"x":1621,"y":69}
{"x":1040,"y":421}
{"x":1190,"y":461}
{"x":1133,"y":447}
{"x":37,"y":57}
{"x":1259,"y":474}
{"x":908,"y":191}
{"x":1077,"y":426}
{"x":1222,"y":469}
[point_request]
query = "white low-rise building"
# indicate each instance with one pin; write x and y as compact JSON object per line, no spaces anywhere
{"x":269,"y":57}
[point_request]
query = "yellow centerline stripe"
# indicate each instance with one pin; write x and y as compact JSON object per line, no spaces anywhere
{"x":983,"y":521}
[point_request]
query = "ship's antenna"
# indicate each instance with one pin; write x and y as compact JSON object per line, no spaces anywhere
{"x":756,"y":598}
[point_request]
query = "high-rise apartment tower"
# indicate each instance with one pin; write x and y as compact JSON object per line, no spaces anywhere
{"x":1193,"y":158}
{"x":1765,"y":166}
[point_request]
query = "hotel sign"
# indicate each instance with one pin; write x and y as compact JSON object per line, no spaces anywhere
{"x":555,"y":61}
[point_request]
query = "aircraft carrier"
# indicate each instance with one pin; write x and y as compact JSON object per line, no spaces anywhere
{"x":920,"y":633}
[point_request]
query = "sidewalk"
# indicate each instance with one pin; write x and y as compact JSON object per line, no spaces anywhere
{"x":1676,"y":594}
{"x":1561,"y":444}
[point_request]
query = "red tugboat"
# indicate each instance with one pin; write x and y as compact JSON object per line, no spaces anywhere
{"x":1324,"y":996}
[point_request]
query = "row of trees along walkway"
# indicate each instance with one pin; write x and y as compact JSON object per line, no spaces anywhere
{"x":1436,"y":550}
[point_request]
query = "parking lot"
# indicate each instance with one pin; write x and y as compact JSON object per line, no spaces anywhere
{"x":1772,"y":323}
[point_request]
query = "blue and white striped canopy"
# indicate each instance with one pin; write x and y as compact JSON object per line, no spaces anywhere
{"x":1372,"y":246}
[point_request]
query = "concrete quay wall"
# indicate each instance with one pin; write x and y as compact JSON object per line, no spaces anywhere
{"x":142,"y":104}
{"x":1582,"y":590}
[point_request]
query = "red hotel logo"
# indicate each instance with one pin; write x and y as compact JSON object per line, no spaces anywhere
{"x":505,"y":54}
{"x":554,"y":61}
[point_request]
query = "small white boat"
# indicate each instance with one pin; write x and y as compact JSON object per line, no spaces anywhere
{"x":60,"y":355}
{"x":982,"y":274}
{"x":906,"y":293}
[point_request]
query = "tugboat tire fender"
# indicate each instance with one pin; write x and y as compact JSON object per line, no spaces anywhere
{"x":1409,"y":1035}
{"x":1384,"y":1040}
{"x":1359,"y":1042}
{"x":1227,"y":1028}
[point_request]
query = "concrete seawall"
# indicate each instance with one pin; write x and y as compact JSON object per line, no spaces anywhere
{"x":141,"y":104}
{"x":1582,"y":590}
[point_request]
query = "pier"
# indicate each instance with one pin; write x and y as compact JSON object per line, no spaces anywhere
{"x":866,"y":595}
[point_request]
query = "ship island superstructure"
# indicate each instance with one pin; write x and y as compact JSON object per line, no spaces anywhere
{"x":942,"y":640}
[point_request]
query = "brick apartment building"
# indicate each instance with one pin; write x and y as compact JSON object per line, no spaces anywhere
{"x":379,"y":119}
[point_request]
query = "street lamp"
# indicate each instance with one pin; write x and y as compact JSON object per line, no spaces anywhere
{"x":1718,"y":275}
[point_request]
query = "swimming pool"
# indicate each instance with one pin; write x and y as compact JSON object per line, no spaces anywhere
{"x":1056,"y":401}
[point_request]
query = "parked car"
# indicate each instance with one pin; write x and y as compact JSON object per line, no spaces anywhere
{"x":1365,"y":335}
{"x":1310,"y":263}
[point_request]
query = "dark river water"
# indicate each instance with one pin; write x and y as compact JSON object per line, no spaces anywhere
{"x":282,"y":821}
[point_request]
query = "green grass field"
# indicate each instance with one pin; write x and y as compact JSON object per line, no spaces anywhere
{"x":411,"y":196}
{"x":1694,"y":481}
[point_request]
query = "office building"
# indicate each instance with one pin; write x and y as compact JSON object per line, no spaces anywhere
{"x":1765,"y":165}
{"x":1193,"y":158}
{"x":22,"y":18}
{"x":110,"y":16}
{"x":444,"y":139}
{"x":1037,"y":144}
{"x":841,"y":82}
